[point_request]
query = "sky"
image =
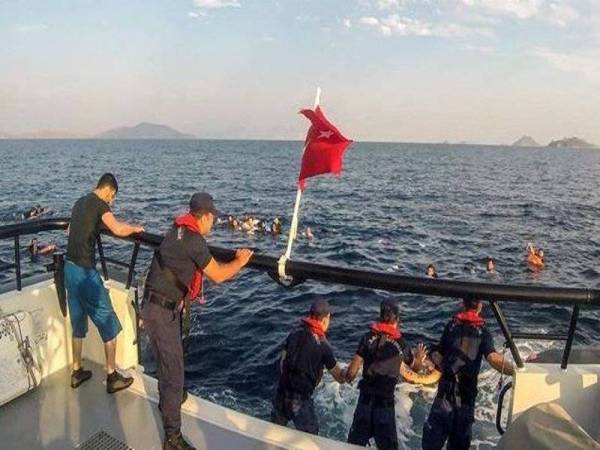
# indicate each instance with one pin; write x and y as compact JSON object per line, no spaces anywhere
{"x":485,"y":71}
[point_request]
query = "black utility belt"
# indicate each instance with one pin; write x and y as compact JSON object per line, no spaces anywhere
{"x":162,"y":301}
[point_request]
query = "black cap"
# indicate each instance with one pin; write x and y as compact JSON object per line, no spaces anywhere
{"x":203,"y":202}
{"x":320,"y":308}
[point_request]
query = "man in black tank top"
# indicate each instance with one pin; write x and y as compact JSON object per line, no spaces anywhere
{"x":381,"y":352}
{"x":306,"y":352}
{"x":465,"y":341}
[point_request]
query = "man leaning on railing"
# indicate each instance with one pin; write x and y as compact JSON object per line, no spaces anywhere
{"x":86,"y":294}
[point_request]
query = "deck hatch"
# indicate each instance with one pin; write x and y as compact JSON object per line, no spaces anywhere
{"x":103,"y":441}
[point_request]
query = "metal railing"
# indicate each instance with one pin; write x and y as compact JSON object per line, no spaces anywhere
{"x":301,"y":271}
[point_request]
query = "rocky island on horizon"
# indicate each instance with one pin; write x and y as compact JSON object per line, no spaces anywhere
{"x":144,"y":130}
{"x":571,"y":142}
{"x":526,"y":141}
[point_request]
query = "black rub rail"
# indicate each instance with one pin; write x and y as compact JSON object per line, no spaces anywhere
{"x":301,"y":271}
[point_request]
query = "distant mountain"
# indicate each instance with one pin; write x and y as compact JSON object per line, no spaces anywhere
{"x":525,"y":141}
{"x":144,"y":130}
{"x":572,"y":142}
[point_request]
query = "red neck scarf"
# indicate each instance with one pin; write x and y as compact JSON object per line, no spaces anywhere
{"x":386,"y":328}
{"x":469,"y":317}
{"x":195,"y":287}
{"x":314,"y":326}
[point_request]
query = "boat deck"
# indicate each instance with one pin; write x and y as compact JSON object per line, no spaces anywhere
{"x":54,"y":416}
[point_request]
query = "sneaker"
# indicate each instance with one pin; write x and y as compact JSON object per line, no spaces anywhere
{"x":116,"y":382}
{"x":175,"y":441}
{"x":79,"y":376}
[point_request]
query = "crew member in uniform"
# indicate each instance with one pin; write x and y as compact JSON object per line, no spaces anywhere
{"x":175,"y":277}
{"x":380,"y":352}
{"x":305,"y":354}
{"x":465,"y":341}
{"x":86,"y":294}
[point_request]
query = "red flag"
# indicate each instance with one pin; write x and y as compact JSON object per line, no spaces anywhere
{"x":323,"y":149}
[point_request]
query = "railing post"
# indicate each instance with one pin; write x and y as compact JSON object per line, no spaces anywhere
{"x":131,"y":271}
{"x":570,"y":337}
{"x":58,"y":259}
{"x":102,"y":260}
{"x":506,"y":332}
{"x":18,"y":262}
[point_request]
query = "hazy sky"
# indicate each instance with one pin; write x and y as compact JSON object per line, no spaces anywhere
{"x":401,"y":70}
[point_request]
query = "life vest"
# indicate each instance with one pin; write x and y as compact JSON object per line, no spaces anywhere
{"x":469,"y":317}
{"x":195,"y":287}
{"x":382,"y":361}
{"x":314,"y":326}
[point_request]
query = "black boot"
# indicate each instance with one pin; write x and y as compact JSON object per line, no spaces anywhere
{"x":175,"y":441}
{"x":116,"y":382}
{"x":79,"y":376}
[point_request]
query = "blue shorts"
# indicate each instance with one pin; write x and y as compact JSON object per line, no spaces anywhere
{"x":87,"y":297}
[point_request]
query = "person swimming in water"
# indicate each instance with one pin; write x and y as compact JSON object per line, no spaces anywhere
{"x":490,"y":265}
{"x":430,"y":271}
{"x":308,"y":234}
{"x":36,"y":248}
{"x":276,"y":226}
{"x":535,"y":257}
{"x":35,"y":212}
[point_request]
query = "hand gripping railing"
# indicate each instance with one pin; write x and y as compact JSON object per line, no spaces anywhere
{"x":301,"y":270}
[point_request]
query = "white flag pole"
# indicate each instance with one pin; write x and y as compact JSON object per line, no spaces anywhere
{"x":294,"y":225}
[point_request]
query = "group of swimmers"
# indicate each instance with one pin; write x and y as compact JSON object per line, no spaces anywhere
{"x":535,"y":257}
{"x":35,"y":212}
{"x":252,"y":225}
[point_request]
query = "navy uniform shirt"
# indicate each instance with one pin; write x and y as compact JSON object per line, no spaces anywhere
{"x":182,"y":251}
{"x":306,"y":356}
{"x":382,"y":356}
{"x":86,"y":219}
{"x":462,"y":347}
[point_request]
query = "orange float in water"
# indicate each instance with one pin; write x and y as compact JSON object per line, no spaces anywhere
{"x":425,"y":379}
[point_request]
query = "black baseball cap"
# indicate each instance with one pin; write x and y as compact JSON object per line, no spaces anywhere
{"x":203,"y":202}
{"x":320,"y":308}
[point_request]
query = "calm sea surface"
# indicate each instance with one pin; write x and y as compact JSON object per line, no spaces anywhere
{"x":397,"y":207}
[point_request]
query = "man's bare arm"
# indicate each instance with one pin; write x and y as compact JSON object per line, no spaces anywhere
{"x":498,"y":362}
{"x":353,"y":368}
{"x":219,"y":272}
{"x":120,"y":229}
{"x":338,"y":374}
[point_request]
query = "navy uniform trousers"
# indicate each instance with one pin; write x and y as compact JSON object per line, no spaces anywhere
{"x":450,"y":419}
{"x":163,"y":328}
{"x":374,"y":418}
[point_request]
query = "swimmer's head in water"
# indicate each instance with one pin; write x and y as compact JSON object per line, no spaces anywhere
{"x":540,"y":253}
{"x":490,"y":264}
{"x":430,"y":271}
{"x":472,"y":303}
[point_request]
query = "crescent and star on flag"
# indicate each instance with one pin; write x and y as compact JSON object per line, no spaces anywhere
{"x":324,"y":150}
